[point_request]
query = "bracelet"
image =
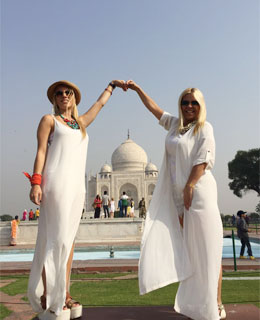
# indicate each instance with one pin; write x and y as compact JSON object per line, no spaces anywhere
{"x":190,"y":185}
{"x":112,"y":85}
{"x":108,"y":91}
{"x":36,"y":178}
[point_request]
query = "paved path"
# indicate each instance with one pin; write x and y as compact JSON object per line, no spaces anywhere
{"x":234,"y":312}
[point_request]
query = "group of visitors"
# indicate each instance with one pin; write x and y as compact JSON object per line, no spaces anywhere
{"x":31,"y":215}
{"x":107,"y":204}
{"x":126,"y":206}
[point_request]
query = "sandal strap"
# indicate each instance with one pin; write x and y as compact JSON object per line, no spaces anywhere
{"x":221,"y":307}
{"x":70,"y":302}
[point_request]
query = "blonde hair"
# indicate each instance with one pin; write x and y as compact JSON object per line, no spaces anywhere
{"x":74,"y":112}
{"x":202,"y":113}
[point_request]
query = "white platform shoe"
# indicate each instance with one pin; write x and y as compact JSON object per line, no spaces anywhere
{"x":222,"y":312}
{"x":48,"y":315}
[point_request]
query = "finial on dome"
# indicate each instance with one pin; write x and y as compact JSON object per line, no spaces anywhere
{"x":128,"y":134}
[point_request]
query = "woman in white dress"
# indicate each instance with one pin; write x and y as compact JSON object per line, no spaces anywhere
{"x":58,"y":185}
{"x":183,"y":235}
{"x":112,"y":207}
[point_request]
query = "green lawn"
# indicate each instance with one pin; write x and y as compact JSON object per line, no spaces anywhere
{"x":107,"y":291}
{"x":4,"y":312}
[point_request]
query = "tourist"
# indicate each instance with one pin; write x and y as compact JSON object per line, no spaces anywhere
{"x":189,"y":252}
{"x":105,"y":200}
{"x":120,"y":207}
{"x":37,"y":213}
{"x":132,"y":208}
{"x":142,"y":209}
{"x":124,"y":203}
{"x":112,"y":207}
{"x":242,"y":233}
{"x":128,"y":208}
{"x":58,"y":184}
{"x":24,"y":215}
{"x":14,"y":231}
{"x":31,"y":215}
{"x":97,"y":206}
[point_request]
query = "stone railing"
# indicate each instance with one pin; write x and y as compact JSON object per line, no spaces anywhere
{"x":90,"y":231}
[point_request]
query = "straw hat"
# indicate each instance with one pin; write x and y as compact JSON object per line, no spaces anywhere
{"x":51,"y":90}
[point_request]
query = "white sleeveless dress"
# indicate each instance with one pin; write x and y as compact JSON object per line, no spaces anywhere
{"x":63,"y":187}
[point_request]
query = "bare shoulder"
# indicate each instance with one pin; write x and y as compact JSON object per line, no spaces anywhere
{"x":46,"y":122}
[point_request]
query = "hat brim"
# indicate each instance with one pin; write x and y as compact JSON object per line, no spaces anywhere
{"x":51,"y":90}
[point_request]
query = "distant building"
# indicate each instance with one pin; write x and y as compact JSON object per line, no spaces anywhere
{"x":130,"y":172}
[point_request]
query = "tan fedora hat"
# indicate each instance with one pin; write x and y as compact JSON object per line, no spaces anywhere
{"x":51,"y":90}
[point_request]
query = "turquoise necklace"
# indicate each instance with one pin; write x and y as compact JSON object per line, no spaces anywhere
{"x":71,"y":123}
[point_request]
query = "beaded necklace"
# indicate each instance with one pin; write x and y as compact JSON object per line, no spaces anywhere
{"x":71,"y":123}
{"x":187,"y":128}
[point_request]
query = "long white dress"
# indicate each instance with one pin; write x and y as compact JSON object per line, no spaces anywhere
{"x":191,"y":256}
{"x":63,"y":187}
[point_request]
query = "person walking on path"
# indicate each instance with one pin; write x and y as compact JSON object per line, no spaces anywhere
{"x":58,"y":184}
{"x":105,"y":200}
{"x":179,"y":243}
{"x":14,"y":231}
{"x":242,"y":233}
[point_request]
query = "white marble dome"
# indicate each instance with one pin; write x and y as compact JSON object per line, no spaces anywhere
{"x":129,"y":156}
{"x":151,"y":167}
{"x":106,"y":168}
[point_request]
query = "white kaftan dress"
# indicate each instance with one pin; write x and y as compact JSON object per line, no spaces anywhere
{"x":63,"y":187}
{"x":191,"y":256}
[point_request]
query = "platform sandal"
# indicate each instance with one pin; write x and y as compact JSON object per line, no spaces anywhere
{"x":50,"y":315}
{"x":75,"y":311}
{"x":222,"y":312}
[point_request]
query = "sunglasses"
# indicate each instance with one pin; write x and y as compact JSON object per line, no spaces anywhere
{"x":67,"y":93}
{"x":186,"y":103}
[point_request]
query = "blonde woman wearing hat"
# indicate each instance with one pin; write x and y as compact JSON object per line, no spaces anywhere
{"x":58,"y":185}
{"x":182,"y":238}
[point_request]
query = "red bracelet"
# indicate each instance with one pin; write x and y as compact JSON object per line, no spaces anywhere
{"x":35,"y":179}
{"x":108,"y":91}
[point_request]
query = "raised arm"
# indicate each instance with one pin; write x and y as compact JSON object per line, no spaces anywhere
{"x":88,"y":117}
{"x":150,"y":104}
{"x":44,"y":129}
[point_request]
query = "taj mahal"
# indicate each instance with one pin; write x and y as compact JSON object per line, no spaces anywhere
{"x":129,"y":171}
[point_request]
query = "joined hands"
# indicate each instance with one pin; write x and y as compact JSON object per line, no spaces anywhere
{"x":125,"y":85}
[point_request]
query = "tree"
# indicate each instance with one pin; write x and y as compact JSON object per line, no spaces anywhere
{"x":244,"y":171}
{"x":6,"y":217}
{"x":254,"y":216}
{"x":257,"y":209}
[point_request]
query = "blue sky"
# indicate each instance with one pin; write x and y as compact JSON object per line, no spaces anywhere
{"x":164,"y":46}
